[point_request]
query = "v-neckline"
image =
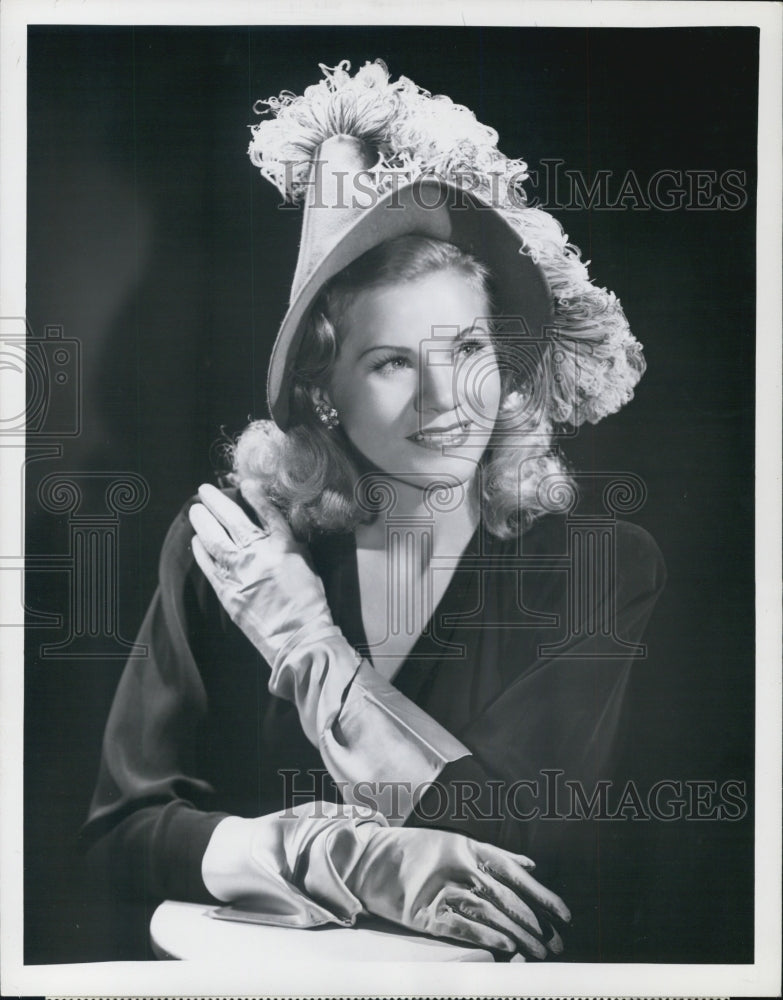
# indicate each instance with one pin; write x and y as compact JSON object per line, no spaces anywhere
{"x":455,"y":586}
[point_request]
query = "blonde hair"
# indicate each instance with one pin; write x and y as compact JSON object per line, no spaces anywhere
{"x":312,"y":473}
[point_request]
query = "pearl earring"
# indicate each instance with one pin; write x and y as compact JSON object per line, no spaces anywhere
{"x":327,"y":415}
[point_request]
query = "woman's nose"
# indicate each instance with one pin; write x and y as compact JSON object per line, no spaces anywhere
{"x":437,"y":387}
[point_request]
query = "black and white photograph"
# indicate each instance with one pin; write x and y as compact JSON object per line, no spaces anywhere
{"x":391,"y":525}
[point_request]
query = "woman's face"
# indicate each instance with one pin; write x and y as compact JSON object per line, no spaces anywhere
{"x":416,"y":382}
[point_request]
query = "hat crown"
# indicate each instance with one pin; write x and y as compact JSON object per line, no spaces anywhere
{"x":332,"y":202}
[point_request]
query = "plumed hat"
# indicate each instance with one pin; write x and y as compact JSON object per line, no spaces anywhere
{"x":372,"y":160}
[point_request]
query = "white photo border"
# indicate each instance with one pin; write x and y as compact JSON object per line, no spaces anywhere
{"x":197,"y":979}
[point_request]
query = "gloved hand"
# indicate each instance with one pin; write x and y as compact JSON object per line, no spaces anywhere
{"x":447,"y":885}
{"x":319,"y":863}
{"x":368,"y":733}
{"x":262,"y":575}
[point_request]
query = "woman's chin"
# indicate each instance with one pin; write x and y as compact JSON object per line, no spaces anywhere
{"x":436,"y":468}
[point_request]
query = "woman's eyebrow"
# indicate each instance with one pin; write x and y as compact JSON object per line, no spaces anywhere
{"x":477,"y":327}
{"x":386,"y":347}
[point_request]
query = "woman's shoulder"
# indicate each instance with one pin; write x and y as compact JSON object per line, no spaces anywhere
{"x":635,"y":543}
{"x":638,"y":560}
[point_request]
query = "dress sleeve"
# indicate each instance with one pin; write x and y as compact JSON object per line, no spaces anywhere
{"x":151,"y":816}
{"x":557,"y":719}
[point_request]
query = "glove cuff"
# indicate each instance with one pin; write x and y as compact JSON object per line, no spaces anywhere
{"x":290,"y":869}
{"x":379,"y":747}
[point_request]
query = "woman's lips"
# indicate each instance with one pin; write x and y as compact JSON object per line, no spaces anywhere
{"x":449,"y":437}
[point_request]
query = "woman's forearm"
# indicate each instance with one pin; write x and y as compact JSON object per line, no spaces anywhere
{"x":155,"y":852}
{"x":379,"y":747}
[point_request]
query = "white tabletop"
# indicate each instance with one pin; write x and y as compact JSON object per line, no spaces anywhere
{"x":189,"y":931}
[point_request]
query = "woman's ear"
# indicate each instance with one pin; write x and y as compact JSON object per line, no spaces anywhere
{"x":320,"y":395}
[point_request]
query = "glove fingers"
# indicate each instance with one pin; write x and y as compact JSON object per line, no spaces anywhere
{"x":462,"y":928}
{"x":204,"y":561}
{"x":509,"y":902}
{"x":501,"y":866}
{"x":211,"y":534}
{"x":552,"y":939}
{"x":482,"y":910}
{"x":229,"y":514}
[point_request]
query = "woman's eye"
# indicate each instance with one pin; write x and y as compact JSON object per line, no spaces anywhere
{"x":469,"y":347}
{"x":391,"y":364}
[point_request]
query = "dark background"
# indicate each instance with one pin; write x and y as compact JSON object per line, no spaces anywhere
{"x":154,"y":242}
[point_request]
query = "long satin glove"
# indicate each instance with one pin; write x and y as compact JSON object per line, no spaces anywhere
{"x":377,"y":745}
{"x":321,"y":863}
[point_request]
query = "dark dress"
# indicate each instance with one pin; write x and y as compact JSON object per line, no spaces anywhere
{"x":194,"y":734}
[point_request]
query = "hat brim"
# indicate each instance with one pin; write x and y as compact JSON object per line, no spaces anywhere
{"x":456,"y":216}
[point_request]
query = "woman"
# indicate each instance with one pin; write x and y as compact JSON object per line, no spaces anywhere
{"x":399,"y":556}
